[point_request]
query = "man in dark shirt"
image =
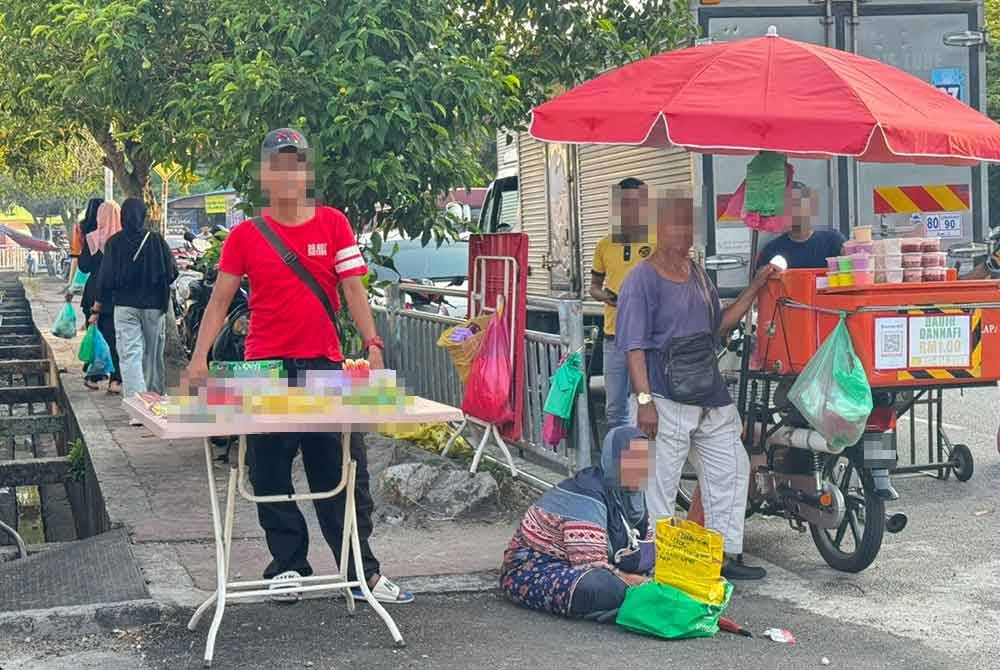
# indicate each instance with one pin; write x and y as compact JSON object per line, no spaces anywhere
{"x":802,"y":246}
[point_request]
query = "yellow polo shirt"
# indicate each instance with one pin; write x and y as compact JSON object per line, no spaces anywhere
{"x":615,"y":261}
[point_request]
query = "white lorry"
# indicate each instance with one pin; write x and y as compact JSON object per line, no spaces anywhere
{"x":559,"y":194}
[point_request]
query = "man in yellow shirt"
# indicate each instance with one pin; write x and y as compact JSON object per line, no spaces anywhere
{"x":615,"y":256}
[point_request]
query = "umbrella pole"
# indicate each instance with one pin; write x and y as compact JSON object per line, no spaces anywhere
{"x":747,"y":344}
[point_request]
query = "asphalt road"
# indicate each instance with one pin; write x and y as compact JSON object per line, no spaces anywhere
{"x":931,"y":600}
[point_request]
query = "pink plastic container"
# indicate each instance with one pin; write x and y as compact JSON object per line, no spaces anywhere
{"x":852,"y":247}
{"x":833,"y":264}
{"x":912,"y":260}
{"x":929,"y":244}
{"x":911,"y":275}
{"x":861,"y":261}
{"x":864,"y":278}
{"x":935,"y":274}
{"x":934,"y":259}
{"x":910,"y":245}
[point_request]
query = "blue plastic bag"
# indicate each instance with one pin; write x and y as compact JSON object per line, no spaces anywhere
{"x":65,"y":325}
{"x":101,"y":363}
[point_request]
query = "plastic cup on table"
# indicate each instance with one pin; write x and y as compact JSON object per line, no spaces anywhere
{"x":934,"y":259}
{"x":862,"y":233}
{"x":845,"y":263}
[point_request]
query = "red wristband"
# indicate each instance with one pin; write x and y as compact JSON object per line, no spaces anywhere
{"x":374,"y":342}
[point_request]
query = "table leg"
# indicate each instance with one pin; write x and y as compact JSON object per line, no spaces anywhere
{"x":223,"y":539}
{"x":350,"y":519}
{"x":454,"y":437}
{"x":487,"y":432}
{"x":503,"y":447}
{"x":349,"y":525}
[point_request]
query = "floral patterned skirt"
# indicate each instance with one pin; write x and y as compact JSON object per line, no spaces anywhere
{"x":539,"y":581}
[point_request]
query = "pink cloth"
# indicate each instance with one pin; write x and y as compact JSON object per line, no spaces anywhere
{"x":768,"y":224}
{"x":109,"y":222}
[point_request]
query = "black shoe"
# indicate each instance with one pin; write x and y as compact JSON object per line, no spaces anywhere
{"x":735,"y":570}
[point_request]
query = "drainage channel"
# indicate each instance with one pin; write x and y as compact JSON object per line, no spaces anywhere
{"x":61,"y":550}
{"x":35,"y":467}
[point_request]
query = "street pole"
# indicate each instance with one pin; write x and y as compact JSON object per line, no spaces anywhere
{"x":109,"y":184}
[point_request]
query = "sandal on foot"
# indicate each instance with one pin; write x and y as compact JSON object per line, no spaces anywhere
{"x":91,"y":385}
{"x":115,"y":391}
{"x":282,"y":587}
{"x":385,"y":592}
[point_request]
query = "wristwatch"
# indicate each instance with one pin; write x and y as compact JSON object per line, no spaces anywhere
{"x":644,"y":398}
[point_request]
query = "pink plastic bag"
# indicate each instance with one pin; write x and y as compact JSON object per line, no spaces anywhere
{"x":553,"y":430}
{"x":487,"y":392}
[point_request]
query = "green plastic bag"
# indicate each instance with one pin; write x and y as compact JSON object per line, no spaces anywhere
{"x":833,"y":393}
{"x":86,"y":353}
{"x":663,"y":611}
{"x":65,"y":325}
{"x":79,"y":280}
{"x":566,"y":383}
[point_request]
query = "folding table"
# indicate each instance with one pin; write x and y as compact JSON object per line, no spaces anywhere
{"x":420,"y":411}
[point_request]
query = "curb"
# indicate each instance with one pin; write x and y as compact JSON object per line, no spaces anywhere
{"x":71,"y":622}
{"x":63,"y":622}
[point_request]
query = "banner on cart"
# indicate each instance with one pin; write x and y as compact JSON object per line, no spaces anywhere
{"x":932,"y":343}
{"x":940,"y":341}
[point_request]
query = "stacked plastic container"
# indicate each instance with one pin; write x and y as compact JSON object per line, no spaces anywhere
{"x":888,"y":261}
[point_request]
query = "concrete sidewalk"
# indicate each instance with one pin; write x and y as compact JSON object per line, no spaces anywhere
{"x":157,"y":491}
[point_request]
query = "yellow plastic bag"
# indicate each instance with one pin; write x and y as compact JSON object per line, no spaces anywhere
{"x":429,"y":436}
{"x":689,"y":558}
{"x":464,"y":353}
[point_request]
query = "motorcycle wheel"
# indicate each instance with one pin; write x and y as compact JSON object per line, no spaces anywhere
{"x":852,"y":546}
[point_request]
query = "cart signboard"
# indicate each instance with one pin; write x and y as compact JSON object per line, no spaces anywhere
{"x":940,"y":341}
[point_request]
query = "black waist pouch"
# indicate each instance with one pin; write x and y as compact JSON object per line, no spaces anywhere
{"x":692,"y":369}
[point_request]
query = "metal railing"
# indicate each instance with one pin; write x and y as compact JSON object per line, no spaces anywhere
{"x":427,"y":369}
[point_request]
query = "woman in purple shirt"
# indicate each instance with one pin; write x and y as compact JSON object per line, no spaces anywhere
{"x":665,"y":303}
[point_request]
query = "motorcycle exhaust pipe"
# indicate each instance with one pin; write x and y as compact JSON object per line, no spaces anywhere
{"x":895,"y":523}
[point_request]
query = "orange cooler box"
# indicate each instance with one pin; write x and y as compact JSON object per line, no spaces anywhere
{"x":930,"y":333}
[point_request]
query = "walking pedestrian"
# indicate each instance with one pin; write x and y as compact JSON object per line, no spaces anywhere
{"x":615,"y":256}
{"x":137,"y":272}
{"x":670,"y":318}
{"x":290,"y":322}
{"x":29,"y":260}
{"x":91,"y":258}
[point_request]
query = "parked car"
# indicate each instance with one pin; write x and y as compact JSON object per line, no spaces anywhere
{"x":446,"y":266}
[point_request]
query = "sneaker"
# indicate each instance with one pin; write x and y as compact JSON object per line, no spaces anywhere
{"x":385,"y":592}
{"x":735,"y":570}
{"x":282,"y":587}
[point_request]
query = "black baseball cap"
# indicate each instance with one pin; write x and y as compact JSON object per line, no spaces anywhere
{"x":283,"y":139}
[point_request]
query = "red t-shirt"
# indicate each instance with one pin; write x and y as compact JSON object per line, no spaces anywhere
{"x":287,"y":320}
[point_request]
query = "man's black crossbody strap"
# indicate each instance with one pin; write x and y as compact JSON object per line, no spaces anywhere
{"x":295,"y":265}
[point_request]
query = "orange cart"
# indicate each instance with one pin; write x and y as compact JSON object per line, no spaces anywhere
{"x":915,"y":341}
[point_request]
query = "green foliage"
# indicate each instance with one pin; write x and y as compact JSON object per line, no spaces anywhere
{"x":399,"y":99}
{"x":77,"y":460}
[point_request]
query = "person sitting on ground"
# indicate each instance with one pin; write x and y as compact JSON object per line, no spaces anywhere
{"x":576,"y":551}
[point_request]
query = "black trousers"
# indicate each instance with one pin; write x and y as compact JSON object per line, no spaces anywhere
{"x":597,"y":596}
{"x":270,"y":459}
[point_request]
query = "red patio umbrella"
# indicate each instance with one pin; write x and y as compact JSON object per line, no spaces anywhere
{"x":775,"y":94}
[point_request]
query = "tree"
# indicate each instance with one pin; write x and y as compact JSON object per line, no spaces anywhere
{"x":57,"y":182}
{"x":107,"y":70}
{"x":401,"y":98}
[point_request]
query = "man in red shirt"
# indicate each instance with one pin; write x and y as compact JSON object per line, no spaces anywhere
{"x":289,"y":323}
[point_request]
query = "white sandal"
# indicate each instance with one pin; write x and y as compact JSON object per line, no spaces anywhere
{"x":282,"y":587}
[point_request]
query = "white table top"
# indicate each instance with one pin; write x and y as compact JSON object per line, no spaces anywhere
{"x":354,"y":418}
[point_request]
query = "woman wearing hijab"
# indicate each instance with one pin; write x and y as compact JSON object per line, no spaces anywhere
{"x":578,"y":547}
{"x":107,"y":223}
{"x":138,"y":271}
{"x":86,"y":225}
